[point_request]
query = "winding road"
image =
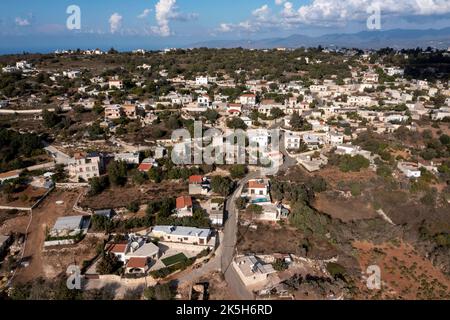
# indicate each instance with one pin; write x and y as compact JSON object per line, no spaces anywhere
{"x":231,"y":227}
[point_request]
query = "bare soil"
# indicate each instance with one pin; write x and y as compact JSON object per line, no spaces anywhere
{"x":344,"y":209}
{"x":43,"y":217}
{"x":404,"y":273}
{"x":25,"y":198}
{"x":121,"y":197}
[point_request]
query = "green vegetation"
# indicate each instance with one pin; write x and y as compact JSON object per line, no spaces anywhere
{"x":178,"y":258}
{"x":279,"y":265}
{"x":98,"y":185}
{"x":255,"y":209}
{"x":16,"y":147}
{"x":336,"y":270}
{"x":117,"y":172}
{"x":348,"y":163}
{"x":236,"y":123}
{"x":222,"y":185}
{"x":238,"y":171}
{"x":298,"y":123}
{"x":108,"y":264}
{"x":161,"y":292}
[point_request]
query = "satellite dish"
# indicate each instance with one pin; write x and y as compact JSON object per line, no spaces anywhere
{"x":134,"y":246}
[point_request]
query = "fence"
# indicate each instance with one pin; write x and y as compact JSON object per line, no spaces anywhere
{"x":58,"y":243}
{"x":72,"y":185}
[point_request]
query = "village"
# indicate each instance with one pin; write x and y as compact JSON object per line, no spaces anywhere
{"x":101,"y":191}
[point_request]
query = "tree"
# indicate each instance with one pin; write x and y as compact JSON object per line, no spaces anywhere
{"x":108,"y":264}
{"x":298,"y":123}
{"x":167,"y":206}
{"x":348,"y":163}
{"x":51,"y":119}
{"x":211,"y":115}
{"x":97,"y":185}
{"x":276,"y":113}
{"x":117,"y":172}
{"x":133,"y":206}
{"x":241,"y":203}
{"x":155,"y":174}
{"x":160,"y":292}
{"x":100,"y":223}
{"x":139,"y":177}
{"x":280,"y":265}
{"x":236,"y":123}
{"x":255,"y":209}
{"x":222,"y":185}
{"x":238,"y":171}
{"x":445,"y":139}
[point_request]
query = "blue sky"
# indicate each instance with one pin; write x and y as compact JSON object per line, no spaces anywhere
{"x":42,"y":23}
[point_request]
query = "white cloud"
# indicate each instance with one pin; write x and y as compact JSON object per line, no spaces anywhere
{"x":22,"y":22}
{"x":164,"y":13}
{"x":333,"y":13}
{"x":225,"y":27}
{"x":329,"y":12}
{"x":144,"y":13}
{"x":115,"y":22}
{"x":261,"y":13}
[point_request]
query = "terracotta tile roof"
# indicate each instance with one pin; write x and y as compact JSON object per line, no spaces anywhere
{"x":183,"y":202}
{"x":80,"y":155}
{"x":256,"y":185}
{"x":118,"y":248}
{"x":10,"y":174}
{"x":137,"y":263}
{"x":144,"y":167}
{"x":195,"y":179}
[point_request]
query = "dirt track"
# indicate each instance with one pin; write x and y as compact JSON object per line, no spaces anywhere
{"x":44,"y":216}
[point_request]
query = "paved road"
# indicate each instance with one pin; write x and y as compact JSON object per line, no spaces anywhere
{"x":127,"y":147}
{"x":231,"y":227}
{"x":230,"y":240}
{"x":59,"y":156}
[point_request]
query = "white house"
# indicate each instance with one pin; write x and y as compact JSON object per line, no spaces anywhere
{"x":85,"y":166}
{"x":393,"y":71}
{"x":186,"y":235}
{"x":71,"y":74}
{"x":201,"y":81}
{"x":292,"y":140}
{"x":258,"y":137}
{"x":203,"y":100}
{"x":115,"y":84}
{"x":184,"y":207}
{"x":258,"y":188}
{"x":130,"y":157}
{"x":113,"y":112}
{"x":252,"y":271}
{"x":248,"y":99}
{"x":335,"y":139}
{"x":410,"y":170}
{"x":360,"y":101}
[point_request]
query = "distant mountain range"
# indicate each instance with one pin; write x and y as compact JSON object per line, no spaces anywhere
{"x":395,"y":38}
